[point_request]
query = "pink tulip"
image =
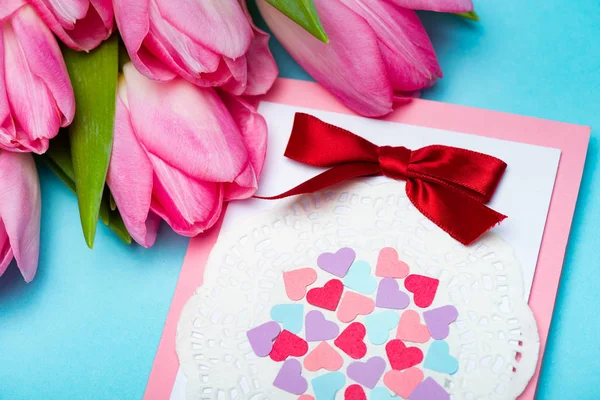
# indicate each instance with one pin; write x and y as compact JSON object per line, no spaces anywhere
{"x":208,"y":42}
{"x":378,"y":50}
{"x":36,"y":97}
{"x":20,"y":209}
{"x":80,"y":24}
{"x":179,"y":152}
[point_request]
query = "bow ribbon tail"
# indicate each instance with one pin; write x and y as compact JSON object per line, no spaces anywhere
{"x":460,"y":215}
{"x":332,"y":176}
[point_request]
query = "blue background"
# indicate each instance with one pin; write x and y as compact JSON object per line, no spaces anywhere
{"x":88,"y":326}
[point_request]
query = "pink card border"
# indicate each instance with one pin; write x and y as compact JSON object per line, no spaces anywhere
{"x":571,"y":139}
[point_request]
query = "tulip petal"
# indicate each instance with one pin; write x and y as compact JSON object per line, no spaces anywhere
{"x":449,"y":6}
{"x":405,"y":46}
{"x":20,"y":209}
{"x":350,"y":66}
{"x":45,"y":60}
{"x":254,"y":133}
{"x":7,"y":127}
{"x":189,"y":206}
{"x":8,"y":7}
{"x":219,"y":25}
{"x":65,"y":12}
{"x":262,"y":68}
{"x":184,"y":54}
{"x":238,"y":71}
{"x":37,"y":83}
{"x":130,"y":177}
{"x":6,"y":254}
{"x":185,"y":126}
{"x":81,"y":25}
{"x":134,"y":25}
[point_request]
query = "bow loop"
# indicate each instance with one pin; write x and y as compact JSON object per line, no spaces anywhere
{"x":394,"y":161}
{"x":448,"y":185}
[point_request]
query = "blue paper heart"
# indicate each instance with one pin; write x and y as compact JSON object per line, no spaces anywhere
{"x":380,"y":324}
{"x":290,"y":315}
{"x":359,"y":278}
{"x":381,"y":393}
{"x":439,"y":359}
{"x":326,"y":386}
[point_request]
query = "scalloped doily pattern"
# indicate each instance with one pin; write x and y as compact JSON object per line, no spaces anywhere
{"x":495,"y":338}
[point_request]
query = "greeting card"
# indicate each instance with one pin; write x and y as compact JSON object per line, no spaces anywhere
{"x":356,"y":291}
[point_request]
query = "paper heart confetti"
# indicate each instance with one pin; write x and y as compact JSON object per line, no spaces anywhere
{"x":402,"y":357}
{"x":380,"y":324}
{"x":297,"y":281}
{"x":439,"y":358}
{"x":262,"y":337}
{"x":328,"y":296}
{"x":351,"y":342}
{"x":337,"y":263}
{"x":287,"y":344}
{"x":429,"y":389}
{"x":390,"y":296}
{"x":306,"y":397}
{"x":439,"y":319}
{"x":359,"y":278}
{"x":423,"y":289}
{"x":326,"y":386}
{"x":323,"y":357}
{"x":367,"y":373}
{"x":290,"y":378}
{"x":354,"y":392}
{"x":410,"y":328}
{"x":389,"y":266}
{"x":290,"y":316}
{"x":353,"y":305}
{"x":381,"y":393}
{"x":318,"y":328}
{"x":403,"y":383}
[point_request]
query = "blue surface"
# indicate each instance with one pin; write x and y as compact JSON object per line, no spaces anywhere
{"x":89,"y":324}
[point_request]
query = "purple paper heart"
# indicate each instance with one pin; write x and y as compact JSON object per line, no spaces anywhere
{"x":337,"y":263}
{"x":429,"y":390}
{"x":390,"y":296}
{"x":439,"y":319}
{"x":366,"y":373}
{"x":318,"y":328}
{"x":290,"y":378}
{"x":262,"y":337}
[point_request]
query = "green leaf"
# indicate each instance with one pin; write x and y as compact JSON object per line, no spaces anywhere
{"x":58,"y":158}
{"x":94,"y":79}
{"x":304,"y":13}
{"x":472,"y":15}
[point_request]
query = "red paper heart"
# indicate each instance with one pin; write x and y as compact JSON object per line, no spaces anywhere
{"x":351,"y":342}
{"x":354,"y":392}
{"x":402,"y":357}
{"x":288,"y":345}
{"x":326,"y":297}
{"x":424,"y":289}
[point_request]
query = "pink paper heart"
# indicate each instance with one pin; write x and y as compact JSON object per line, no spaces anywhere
{"x":323,"y":357}
{"x":297,"y":281}
{"x":403,"y":383}
{"x":354,"y":304}
{"x":411,"y":329}
{"x":389,"y":266}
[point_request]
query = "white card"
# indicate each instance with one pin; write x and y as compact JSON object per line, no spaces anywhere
{"x":524,"y":193}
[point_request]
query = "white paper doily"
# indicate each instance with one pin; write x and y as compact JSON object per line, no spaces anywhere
{"x":243,"y":280}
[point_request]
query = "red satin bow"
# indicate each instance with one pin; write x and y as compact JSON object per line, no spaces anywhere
{"x":446,"y":184}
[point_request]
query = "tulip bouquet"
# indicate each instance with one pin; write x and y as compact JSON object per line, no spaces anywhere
{"x":153,"y":117}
